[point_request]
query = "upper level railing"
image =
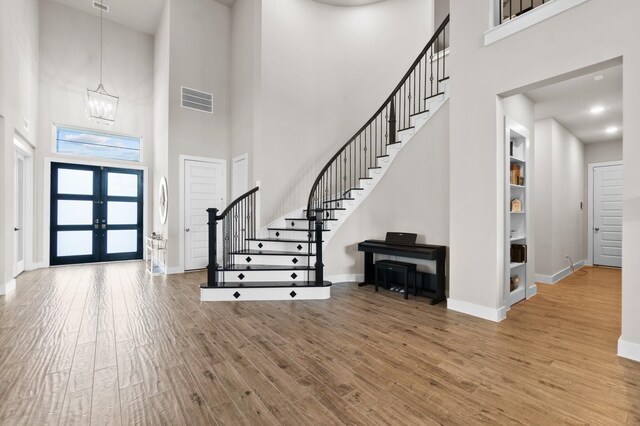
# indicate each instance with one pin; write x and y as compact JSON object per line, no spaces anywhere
{"x":352,"y":162}
{"x":238,"y":227}
{"x":513,"y":8}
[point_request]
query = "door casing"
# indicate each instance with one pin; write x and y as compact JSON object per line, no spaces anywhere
{"x":23,"y":148}
{"x":590,"y":205}
{"x":182,"y":248}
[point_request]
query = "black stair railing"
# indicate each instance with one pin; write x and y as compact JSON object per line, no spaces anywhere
{"x":343,"y":172}
{"x":238,"y":227}
{"x":514,"y":8}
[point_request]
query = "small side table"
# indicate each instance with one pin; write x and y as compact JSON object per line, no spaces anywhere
{"x":156,"y":255}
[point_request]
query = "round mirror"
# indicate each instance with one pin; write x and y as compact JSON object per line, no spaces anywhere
{"x":163,"y":201}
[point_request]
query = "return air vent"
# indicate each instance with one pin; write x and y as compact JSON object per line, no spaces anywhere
{"x":197,"y":100}
{"x":102,"y":6}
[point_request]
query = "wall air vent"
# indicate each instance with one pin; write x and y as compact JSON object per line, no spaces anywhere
{"x":99,"y":5}
{"x":197,"y":100}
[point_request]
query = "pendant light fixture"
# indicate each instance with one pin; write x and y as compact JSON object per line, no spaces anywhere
{"x":100,"y":106}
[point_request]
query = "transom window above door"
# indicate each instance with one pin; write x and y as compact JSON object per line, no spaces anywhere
{"x":89,"y":143}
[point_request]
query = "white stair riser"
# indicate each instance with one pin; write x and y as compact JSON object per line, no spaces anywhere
{"x":279,"y":246}
{"x":222,"y":294}
{"x":419,"y":119}
{"x":264,"y":259}
{"x":291,"y":235}
{"x":297,"y":224}
{"x":257,"y":276}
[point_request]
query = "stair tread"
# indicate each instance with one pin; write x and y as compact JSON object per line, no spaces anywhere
{"x":272,"y":253}
{"x":256,"y":267}
{"x":433,"y":96}
{"x":267,"y":284}
{"x":304,"y":218}
{"x":335,"y":200}
{"x":280,"y":240}
{"x":296,"y":229}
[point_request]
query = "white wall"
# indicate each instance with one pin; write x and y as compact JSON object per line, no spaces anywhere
{"x":560,"y":171}
{"x":325,"y":70}
{"x":413,"y":196}
{"x":246,"y":29}
{"x":543,"y":51}
{"x":69,"y":64}
{"x":18,"y":102}
{"x":161,"y":113}
{"x":199,"y":40}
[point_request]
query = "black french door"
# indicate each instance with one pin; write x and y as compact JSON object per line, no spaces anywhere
{"x":96,"y":214}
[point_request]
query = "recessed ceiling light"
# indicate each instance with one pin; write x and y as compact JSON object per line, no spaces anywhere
{"x":598,"y":77}
{"x":598,"y":109}
{"x":612,"y":129}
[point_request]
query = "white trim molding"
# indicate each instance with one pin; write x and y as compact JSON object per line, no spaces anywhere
{"x":528,"y":19}
{"x":553,"y":279}
{"x":8,"y":287}
{"x":628,"y":349}
{"x":490,"y":314}
{"x":345,"y":278}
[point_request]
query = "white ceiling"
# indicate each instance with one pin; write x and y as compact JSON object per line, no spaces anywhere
{"x":348,"y":2}
{"x":141,"y":15}
{"x":570,"y":103}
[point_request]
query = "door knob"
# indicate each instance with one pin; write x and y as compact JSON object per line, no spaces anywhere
{"x":596,"y":229}
{"x":187,"y":229}
{"x":16,"y":229}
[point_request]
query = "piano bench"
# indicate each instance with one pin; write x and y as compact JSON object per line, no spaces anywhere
{"x":407,"y":269}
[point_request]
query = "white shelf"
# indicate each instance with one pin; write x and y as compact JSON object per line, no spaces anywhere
{"x":516,"y":264}
{"x":517,"y":160}
{"x":516,"y":186}
{"x":517,"y":238}
{"x":522,"y":212}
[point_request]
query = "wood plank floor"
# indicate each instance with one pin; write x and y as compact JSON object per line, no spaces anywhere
{"x":106,"y":344}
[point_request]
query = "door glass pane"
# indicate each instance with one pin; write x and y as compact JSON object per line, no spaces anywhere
{"x":122,"y":241}
{"x":79,"y":182}
{"x":122,"y":213}
{"x":75,"y":212}
{"x":75,"y":243}
{"x":122,"y":185}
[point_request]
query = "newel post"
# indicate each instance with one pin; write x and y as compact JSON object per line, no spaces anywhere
{"x":319,"y":266}
{"x":212,"y":267}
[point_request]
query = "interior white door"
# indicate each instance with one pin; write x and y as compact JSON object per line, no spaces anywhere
{"x":205,"y":187}
{"x":19,"y":212}
{"x":607,"y":215}
{"x":240,"y":178}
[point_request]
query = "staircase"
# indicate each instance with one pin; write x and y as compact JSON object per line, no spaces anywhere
{"x":283,"y":261}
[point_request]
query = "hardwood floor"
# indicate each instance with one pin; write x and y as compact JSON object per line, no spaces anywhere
{"x":106,"y":344}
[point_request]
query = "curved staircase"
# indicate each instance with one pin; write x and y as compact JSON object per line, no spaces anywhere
{"x":283,"y":261}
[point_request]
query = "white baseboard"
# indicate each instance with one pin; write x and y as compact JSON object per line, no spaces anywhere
{"x":495,"y":315}
{"x":552,"y":279}
{"x":41,"y":265}
{"x":533,"y":290}
{"x":175,"y":270}
{"x":629,"y":350}
{"x":345,"y":278}
{"x":8,"y":287}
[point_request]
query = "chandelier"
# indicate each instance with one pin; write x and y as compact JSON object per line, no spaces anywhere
{"x":100,"y":106}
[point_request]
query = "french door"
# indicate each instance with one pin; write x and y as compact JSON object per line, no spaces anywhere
{"x":96,"y":214}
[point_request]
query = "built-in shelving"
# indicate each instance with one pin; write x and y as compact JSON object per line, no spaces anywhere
{"x":516,"y":212}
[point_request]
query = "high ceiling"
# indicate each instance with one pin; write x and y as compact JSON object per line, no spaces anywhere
{"x":570,"y":102}
{"x":141,"y":15}
{"x":348,"y":2}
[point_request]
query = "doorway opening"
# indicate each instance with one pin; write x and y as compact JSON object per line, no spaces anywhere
{"x":23,"y":207}
{"x":96,"y":214}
